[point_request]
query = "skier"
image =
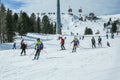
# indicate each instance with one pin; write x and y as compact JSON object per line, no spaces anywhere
{"x":108,"y":44}
{"x":62,"y":43}
{"x":79,"y":37}
{"x":75,"y":44}
{"x":99,"y":41}
{"x":38,"y":48}
{"x":14,"y":45}
{"x":107,"y":36}
{"x":83,"y":37}
{"x":93,"y":42}
{"x":112,"y":35}
{"x":23,"y":47}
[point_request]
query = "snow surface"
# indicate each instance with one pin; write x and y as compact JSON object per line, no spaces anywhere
{"x":101,"y":63}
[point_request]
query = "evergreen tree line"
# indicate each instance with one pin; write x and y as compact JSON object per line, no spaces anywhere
{"x":21,"y":23}
{"x":88,"y":31}
{"x":114,"y":25}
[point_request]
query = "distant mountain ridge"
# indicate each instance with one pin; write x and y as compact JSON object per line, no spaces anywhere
{"x":71,"y":23}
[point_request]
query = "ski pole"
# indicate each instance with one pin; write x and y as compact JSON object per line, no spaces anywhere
{"x":32,"y":52}
{"x":44,"y":51}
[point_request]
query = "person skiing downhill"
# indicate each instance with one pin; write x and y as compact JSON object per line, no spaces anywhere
{"x":14,"y":45}
{"x":38,"y":48}
{"x":75,"y":44}
{"x":93,"y":42}
{"x":112,"y":35}
{"x":62,"y":43}
{"x":23,"y":47}
{"x":107,"y":36}
{"x":99,"y":41}
{"x":108,"y":44}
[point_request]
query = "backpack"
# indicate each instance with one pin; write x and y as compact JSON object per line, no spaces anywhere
{"x":40,"y":46}
{"x":76,"y":42}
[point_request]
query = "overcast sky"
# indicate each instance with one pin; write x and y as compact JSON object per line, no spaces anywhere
{"x":99,"y":7}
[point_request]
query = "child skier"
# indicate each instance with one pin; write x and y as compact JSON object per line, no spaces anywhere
{"x":38,"y":48}
{"x":93,"y":42}
{"x":108,"y":44}
{"x":75,"y":44}
{"x":23,"y":47}
{"x":14,"y":45}
{"x":112,"y":35}
{"x":107,"y":36}
{"x":62,"y":43}
{"x":99,"y":41}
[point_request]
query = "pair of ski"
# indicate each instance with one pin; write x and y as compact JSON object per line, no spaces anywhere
{"x":35,"y":59}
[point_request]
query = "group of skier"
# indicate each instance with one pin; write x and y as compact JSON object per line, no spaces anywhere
{"x":76,"y":43}
{"x":99,"y":42}
{"x":94,"y":42}
{"x":112,"y":36}
{"x":39,"y":45}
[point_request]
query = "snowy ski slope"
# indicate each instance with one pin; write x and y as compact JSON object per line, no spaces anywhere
{"x":54,"y":64}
